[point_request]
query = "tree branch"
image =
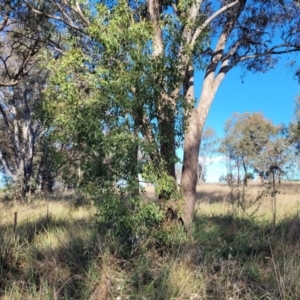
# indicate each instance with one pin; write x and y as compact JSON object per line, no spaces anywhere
{"x":80,"y":13}
{"x":62,"y":11}
{"x":4,"y":22}
{"x":210,"y":19}
{"x":71,"y":25}
{"x":154,"y":7}
{"x":4,"y":115}
{"x":270,"y":52}
{"x":14,"y":80}
{"x":6,"y":17}
{"x":187,"y":31}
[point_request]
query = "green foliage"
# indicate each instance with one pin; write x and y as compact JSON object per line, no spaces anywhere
{"x":156,"y":174}
{"x":126,"y":219}
{"x":252,"y":142}
{"x":106,"y":102}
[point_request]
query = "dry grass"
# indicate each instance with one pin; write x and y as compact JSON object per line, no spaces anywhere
{"x":47,"y":257}
{"x":227,"y":256}
{"x":60,"y":207}
{"x":214,"y":199}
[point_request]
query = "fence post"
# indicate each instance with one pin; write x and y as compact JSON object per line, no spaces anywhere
{"x":47,"y":211}
{"x":15,"y":222}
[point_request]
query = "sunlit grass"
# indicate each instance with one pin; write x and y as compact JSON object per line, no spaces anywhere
{"x":227,"y":256}
{"x":53,"y":243}
{"x":213,"y":199}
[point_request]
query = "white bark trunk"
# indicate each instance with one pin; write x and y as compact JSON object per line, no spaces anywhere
{"x":192,"y":143}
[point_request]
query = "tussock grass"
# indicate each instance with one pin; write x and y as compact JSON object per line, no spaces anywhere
{"x":227,"y":255}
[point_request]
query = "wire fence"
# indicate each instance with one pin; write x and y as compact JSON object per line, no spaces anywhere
{"x":24,"y":219}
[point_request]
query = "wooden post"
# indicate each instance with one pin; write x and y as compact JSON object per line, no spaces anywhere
{"x":15,"y":222}
{"x":47,"y":211}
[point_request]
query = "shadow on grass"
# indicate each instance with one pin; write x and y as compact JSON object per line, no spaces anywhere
{"x":212,"y":196}
{"x":229,"y":236}
{"x":228,"y":257}
{"x":49,"y":253}
{"x":62,"y":254}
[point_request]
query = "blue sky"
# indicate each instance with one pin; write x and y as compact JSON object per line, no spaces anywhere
{"x":272,"y":93}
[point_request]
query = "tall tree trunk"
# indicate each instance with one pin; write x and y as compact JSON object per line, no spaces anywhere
{"x":192,"y":141}
{"x":167,"y":148}
{"x":166,"y":105}
{"x":215,"y":72}
{"x":190,"y":168}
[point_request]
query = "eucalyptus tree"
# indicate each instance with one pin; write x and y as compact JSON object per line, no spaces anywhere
{"x":249,"y":33}
{"x":21,"y":85}
{"x":20,"y":130}
{"x":187,"y":36}
{"x":23,"y":34}
{"x":254,"y":144}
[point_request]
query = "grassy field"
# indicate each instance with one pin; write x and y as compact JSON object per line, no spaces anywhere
{"x":214,"y":199}
{"x":229,"y":255}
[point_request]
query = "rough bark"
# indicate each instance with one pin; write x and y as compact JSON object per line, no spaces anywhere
{"x":167,"y":149}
